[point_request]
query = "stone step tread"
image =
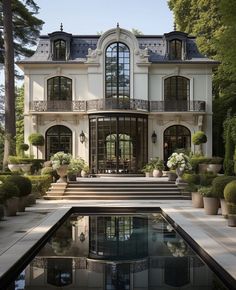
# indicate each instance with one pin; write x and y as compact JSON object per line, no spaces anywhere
{"x":116,"y":197}
{"x":121,"y":188}
{"x":121,"y":193}
{"x":83,"y":183}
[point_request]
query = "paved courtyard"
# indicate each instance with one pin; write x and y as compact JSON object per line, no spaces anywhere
{"x":19,"y":233}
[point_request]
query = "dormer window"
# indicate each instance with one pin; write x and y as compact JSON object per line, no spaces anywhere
{"x":59,"y":50}
{"x":175,"y":49}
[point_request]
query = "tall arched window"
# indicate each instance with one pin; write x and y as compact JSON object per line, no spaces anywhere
{"x":175,"y":49}
{"x":117,"y":71}
{"x":59,"y":50}
{"x":59,"y":88}
{"x":58,"y":138}
{"x":176,"y":93}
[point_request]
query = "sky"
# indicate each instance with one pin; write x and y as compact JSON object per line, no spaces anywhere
{"x":90,"y":17}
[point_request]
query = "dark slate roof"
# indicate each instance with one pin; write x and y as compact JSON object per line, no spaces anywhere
{"x":156,"y":45}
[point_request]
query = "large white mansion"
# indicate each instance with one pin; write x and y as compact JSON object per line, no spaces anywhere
{"x":118,"y":100}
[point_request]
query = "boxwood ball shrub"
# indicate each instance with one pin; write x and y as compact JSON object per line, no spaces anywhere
{"x":230,"y":192}
{"x":8,"y":190}
{"x":199,"y":137}
{"x":219,"y":183}
{"x":23,"y":183}
{"x":36,"y":139}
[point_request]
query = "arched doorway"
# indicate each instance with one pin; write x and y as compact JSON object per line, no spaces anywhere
{"x":58,"y":138}
{"x":176,"y":137}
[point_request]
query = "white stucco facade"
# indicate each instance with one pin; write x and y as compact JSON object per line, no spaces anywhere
{"x":148,"y":70}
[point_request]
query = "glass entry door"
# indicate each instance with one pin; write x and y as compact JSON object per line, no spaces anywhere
{"x":118,"y":144}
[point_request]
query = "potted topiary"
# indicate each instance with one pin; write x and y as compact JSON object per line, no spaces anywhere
{"x":218,"y":186}
{"x":210,"y":201}
{"x":230,"y":197}
{"x":24,"y":185}
{"x":198,"y":139}
{"x":85,"y":170}
{"x":75,"y":167}
{"x":36,"y":139}
{"x":215,"y":164}
{"x":9,"y":193}
{"x":22,"y":148}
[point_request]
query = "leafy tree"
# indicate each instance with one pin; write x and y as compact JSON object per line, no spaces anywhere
{"x":136,"y":31}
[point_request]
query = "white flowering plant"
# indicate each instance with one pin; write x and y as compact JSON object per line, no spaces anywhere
{"x":60,"y":158}
{"x":179,"y":160}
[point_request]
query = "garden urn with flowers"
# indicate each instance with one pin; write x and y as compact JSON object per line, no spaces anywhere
{"x":179,"y":162}
{"x":60,"y":162}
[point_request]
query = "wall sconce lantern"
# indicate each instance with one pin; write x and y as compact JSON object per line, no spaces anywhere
{"x":154,"y":137}
{"x":82,"y":237}
{"x":82,"y":137}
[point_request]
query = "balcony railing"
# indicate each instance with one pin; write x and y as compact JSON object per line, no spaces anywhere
{"x":118,"y":104}
{"x":177,"y":106}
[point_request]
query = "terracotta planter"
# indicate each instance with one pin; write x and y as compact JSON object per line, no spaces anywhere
{"x":11,"y":206}
{"x":197,"y":200}
{"x":62,"y":171}
{"x":224,"y":208}
{"x":202,"y":167}
{"x":1,"y":211}
{"x":157,"y":173}
{"x":232,"y":220}
{"x":22,"y":203}
{"x":31,"y":199}
{"x":211,"y":205}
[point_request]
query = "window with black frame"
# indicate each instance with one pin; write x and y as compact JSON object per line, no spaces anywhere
{"x":117,"y":78}
{"x":59,"y":49}
{"x":176,"y":93}
{"x":175,"y":49}
{"x":59,"y":94}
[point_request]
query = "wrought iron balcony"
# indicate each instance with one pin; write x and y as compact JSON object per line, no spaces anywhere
{"x":118,"y":104}
{"x":58,"y":106}
{"x":177,"y":106}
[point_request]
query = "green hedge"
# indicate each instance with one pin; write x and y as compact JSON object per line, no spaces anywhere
{"x":40,"y":183}
{"x":23,"y":183}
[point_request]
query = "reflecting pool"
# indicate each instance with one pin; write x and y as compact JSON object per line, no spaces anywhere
{"x":116,"y":252}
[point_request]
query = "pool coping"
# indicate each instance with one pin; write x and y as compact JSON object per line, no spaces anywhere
{"x":208,"y":248}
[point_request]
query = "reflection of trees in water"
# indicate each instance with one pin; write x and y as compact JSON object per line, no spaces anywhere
{"x":62,"y":239}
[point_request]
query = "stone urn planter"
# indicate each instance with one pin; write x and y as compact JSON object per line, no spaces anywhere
{"x":11,"y":206}
{"x":197,"y":200}
{"x":179,"y":173}
{"x":26,"y":167}
{"x":215,"y":168}
{"x":211,"y":205}
{"x":14,"y":167}
{"x":62,"y":172}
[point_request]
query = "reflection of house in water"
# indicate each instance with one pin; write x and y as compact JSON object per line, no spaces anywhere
{"x":116,"y":252}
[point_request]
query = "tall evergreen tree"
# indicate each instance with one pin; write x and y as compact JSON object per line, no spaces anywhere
{"x":20,"y":30}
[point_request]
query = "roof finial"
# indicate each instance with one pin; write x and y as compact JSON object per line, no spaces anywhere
{"x":61,"y":27}
{"x":117,"y":25}
{"x":174,"y":26}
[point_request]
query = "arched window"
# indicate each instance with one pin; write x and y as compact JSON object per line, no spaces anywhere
{"x":176,"y":137}
{"x":176,"y":93}
{"x":58,"y":138}
{"x":175,"y":49}
{"x":59,"y":50}
{"x":117,"y":69}
{"x":59,"y":88}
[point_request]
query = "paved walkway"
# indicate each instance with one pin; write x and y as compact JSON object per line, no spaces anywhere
{"x":20,"y":233}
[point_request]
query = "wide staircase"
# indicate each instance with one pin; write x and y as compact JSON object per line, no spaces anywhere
{"x":120,"y":188}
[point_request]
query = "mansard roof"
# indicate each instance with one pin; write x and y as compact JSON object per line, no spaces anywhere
{"x":80,"y":44}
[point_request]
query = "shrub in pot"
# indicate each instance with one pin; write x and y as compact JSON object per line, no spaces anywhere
{"x":198,"y":138}
{"x":36,"y":139}
{"x":147,"y":169}
{"x":197,"y":198}
{"x":218,"y":186}
{"x":210,"y":201}
{"x":25,"y":187}
{"x":157,"y":165}
{"x":14,"y":164}
{"x":230,"y":197}
{"x":9,"y":195}
{"x":75,"y":167}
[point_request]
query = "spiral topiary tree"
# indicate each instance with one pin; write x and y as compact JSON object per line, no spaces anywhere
{"x":198,"y":138}
{"x":36,"y":139}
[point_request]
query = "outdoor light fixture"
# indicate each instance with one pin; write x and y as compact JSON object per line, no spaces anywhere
{"x":82,"y":137}
{"x":82,"y":237}
{"x":154,"y":137}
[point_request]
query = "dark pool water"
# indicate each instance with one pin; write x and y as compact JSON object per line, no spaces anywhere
{"x":116,"y":252}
